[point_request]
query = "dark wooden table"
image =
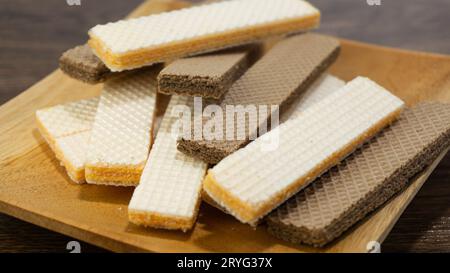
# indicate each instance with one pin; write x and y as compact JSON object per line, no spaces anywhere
{"x":34,"y":34}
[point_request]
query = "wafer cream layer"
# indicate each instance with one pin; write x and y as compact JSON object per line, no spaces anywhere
{"x":66,"y":128}
{"x":168,"y":195}
{"x":366,"y":179}
{"x":251,"y":182}
{"x":278,"y":78}
{"x":138,"y":42}
{"x":121,"y":134}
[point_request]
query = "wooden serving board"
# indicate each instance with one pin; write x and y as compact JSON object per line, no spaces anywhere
{"x":34,"y":188}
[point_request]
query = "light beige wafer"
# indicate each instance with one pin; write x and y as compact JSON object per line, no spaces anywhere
{"x":323,"y":87}
{"x":252,"y":181}
{"x":121,"y":134}
{"x":66,"y":129}
{"x":134,"y":43}
{"x":168,"y":195}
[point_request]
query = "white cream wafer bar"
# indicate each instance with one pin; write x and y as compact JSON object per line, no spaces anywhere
{"x":168,"y":195}
{"x":133,"y":43}
{"x":324,"y":86}
{"x":66,"y":128}
{"x":252,"y":181}
{"x":121,"y":134}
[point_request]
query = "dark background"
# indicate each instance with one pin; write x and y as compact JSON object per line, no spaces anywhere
{"x":33,"y":34}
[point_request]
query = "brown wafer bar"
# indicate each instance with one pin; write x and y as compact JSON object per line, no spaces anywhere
{"x":365,"y":180}
{"x":82,"y":64}
{"x":209,"y":75}
{"x":278,"y":78}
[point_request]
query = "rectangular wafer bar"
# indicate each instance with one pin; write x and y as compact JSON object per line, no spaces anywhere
{"x":81,"y":63}
{"x":324,"y":86}
{"x":168,"y":195}
{"x":208,"y":75}
{"x":134,"y":43}
{"x":278,"y":78}
{"x":365,"y":180}
{"x":121,"y":133}
{"x":252,"y":181}
{"x":66,"y":129}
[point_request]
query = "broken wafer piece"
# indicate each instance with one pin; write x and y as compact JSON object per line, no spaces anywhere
{"x":121,"y":134}
{"x":66,"y":129}
{"x":81,"y":63}
{"x":168,"y":195}
{"x":134,"y":43}
{"x":278,"y":78}
{"x":365,"y":180}
{"x":324,"y":86}
{"x":209,"y":75}
{"x":252,"y":181}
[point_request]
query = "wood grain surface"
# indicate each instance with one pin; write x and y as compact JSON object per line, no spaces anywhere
{"x":34,"y":35}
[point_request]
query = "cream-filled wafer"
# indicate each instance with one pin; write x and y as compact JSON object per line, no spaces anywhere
{"x":134,"y":43}
{"x":208,"y":75}
{"x":283,"y":74}
{"x":253,"y":181}
{"x":81,"y":63}
{"x":365,"y":180}
{"x":168,"y":195}
{"x":66,"y":128}
{"x":324,"y":86}
{"x":121,"y":134}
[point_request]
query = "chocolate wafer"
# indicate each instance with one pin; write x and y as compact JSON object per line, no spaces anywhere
{"x":209,"y":75}
{"x":365,"y":180}
{"x":280,"y":76}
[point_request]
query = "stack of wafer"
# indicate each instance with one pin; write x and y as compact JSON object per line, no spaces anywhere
{"x":326,"y":155}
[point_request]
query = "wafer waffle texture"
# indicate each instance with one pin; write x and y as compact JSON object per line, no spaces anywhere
{"x":81,"y":63}
{"x":278,"y":78}
{"x":252,"y":182}
{"x":365,"y":180}
{"x":121,"y":134}
{"x":168,"y":195}
{"x":323,"y":87}
{"x":129,"y":44}
{"x":66,"y":129}
{"x":208,"y":75}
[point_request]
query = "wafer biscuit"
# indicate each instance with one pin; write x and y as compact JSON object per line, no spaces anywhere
{"x":66,"y":128}
{"x":365,"y":180}
{"x":278,"y":78}
{"x":168,"y":195}
{"x":319,"y":90}
{"x":209,"y":75}
{"x":134,"y":43}
{"x":251,"y":182}
{"x":81,"y":63}
{"x":121,"y":134}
